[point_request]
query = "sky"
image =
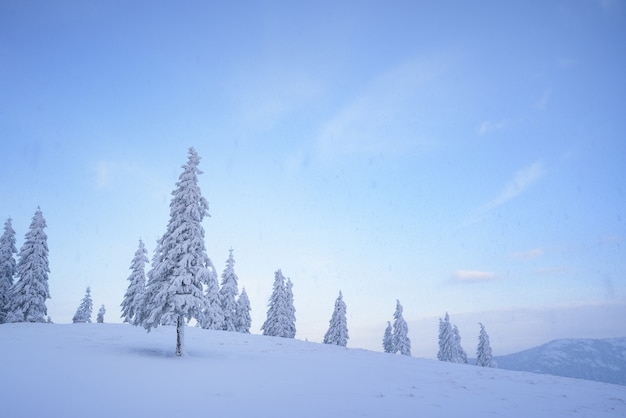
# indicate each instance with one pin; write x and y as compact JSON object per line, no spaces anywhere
{"x":462,"y":158}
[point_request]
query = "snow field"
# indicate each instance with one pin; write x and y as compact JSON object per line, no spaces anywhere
{"x":117,"y":370}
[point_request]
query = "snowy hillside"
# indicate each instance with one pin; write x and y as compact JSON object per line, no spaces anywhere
{"x":114,"y":370}
{"x":601,"y":360}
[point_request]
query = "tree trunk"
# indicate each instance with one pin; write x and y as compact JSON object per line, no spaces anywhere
{"x":180,"y":336}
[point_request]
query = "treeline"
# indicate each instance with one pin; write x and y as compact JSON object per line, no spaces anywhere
{"x":182,"y":286}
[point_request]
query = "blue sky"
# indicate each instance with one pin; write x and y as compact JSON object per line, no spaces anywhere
{"x":460,"y":157}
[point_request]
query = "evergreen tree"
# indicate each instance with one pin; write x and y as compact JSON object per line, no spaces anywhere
{"x":401,"y":341}
{"x":29,"y":293}
{"x":275,"y":324}
{"x":228,"y":293}
{"x":8,"y":267}
{"x":450,"y":342}
{"x":133,"y":298}
{"x":242,"y":317}
{"x":180,"y":265}
{"x":484,"y":357}
{"x":338,"y":328}
{"x":388,"y":339}
{"x":212,"y":315}
{"x":291,"y":310}
{"x":84,"y":310}
{"x":460,"y":356}
{"x":446,"y":342}
{"x":101,"y":312}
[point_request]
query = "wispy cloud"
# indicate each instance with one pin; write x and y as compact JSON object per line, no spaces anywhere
{"x":266,"y":100}
{"x":542,"y":102}
{"x":551,"y":270}
{"x":489,"y":126}
{"x":473,"y":276}
{"x":103,"y":171}
{"x":528,"y":254}
{"x":522,"y":180}
{"x":387,"y":116}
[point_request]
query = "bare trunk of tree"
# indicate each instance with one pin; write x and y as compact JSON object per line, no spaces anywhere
{"x":180,"y":336}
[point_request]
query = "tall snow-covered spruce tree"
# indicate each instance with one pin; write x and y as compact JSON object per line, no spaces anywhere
{"x":84,"y":310}
{"x":228,"y":294}
{"x":484,"y":358}
{"x":8,"y":267}
{"x":180,"y":265}
{"x":133,"y":298}
{"x":242,"y":316}
{"x":29,"y":293}
{"x":337,"y":333}
{"x":281,"y":320}
{"x":401,"y":341}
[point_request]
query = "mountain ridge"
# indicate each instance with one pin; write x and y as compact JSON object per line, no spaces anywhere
{"x":602,"y":360}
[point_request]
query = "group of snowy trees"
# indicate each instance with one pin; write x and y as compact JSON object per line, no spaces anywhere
{"x":450,"y":345}
{"x":396,"y":339}
{"x":182,"y":283}
{"x":84,"y":310}
{"x":25,"y":299}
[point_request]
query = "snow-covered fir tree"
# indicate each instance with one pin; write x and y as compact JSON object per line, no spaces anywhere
{"x":460,"y":355}
{"x":337,"y":333}
{"x":101,"y":312}
{"x":133,"y":298}
{"x":484,"y":357}
{"x":242,"y":316}
{"x":228,"y":294}
{"x":212,"y":316}
{"x":84,"y":310}
{"x":450,"y":342}
{"x":401,"y":341}
{"x":388,"y":339}
{"x":29,"y":293}
{"x":180,"y":265}
{"x":446,"y":342}
{"x":277,"y":322}
{"x":291,"y":310}
{"x":8,"y":267}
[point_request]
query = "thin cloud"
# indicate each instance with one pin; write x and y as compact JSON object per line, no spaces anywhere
{"x":488,"y":127}
{"x":551,"y":270}
{"x":103,"y":174}
{"x":387,"y":116}
{"x":522,"y":180}
{"x":473,"y":276}
{"x":528,"y":254}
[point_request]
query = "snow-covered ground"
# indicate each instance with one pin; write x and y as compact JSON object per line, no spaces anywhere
{"x":114,"y":370}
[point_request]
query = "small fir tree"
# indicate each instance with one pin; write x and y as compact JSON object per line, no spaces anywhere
{"x":275,"y":324}
{"x":460,"y":356}
{"x":291,"y":310}
{"x":29,"y":293}
{"x":101,"y":312}
{"x":84,"y":310}
{"x":180,"y":265}
{"x":133,"y":298}
{"x":450,"y":343}
{"x":228,"y":293}
{"x":212,"y":316}
{"x":8,"y":267}
{"x":484,"y":358}
{"x":337,"y":333}
{"x":401,"y":341}
{"x":242,"y":317}
{"x":388,"y":339}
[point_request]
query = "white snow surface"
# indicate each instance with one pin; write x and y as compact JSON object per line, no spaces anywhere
{"x":117,"y":370}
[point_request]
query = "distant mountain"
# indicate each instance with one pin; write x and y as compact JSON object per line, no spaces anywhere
{"x":601,"y":360}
